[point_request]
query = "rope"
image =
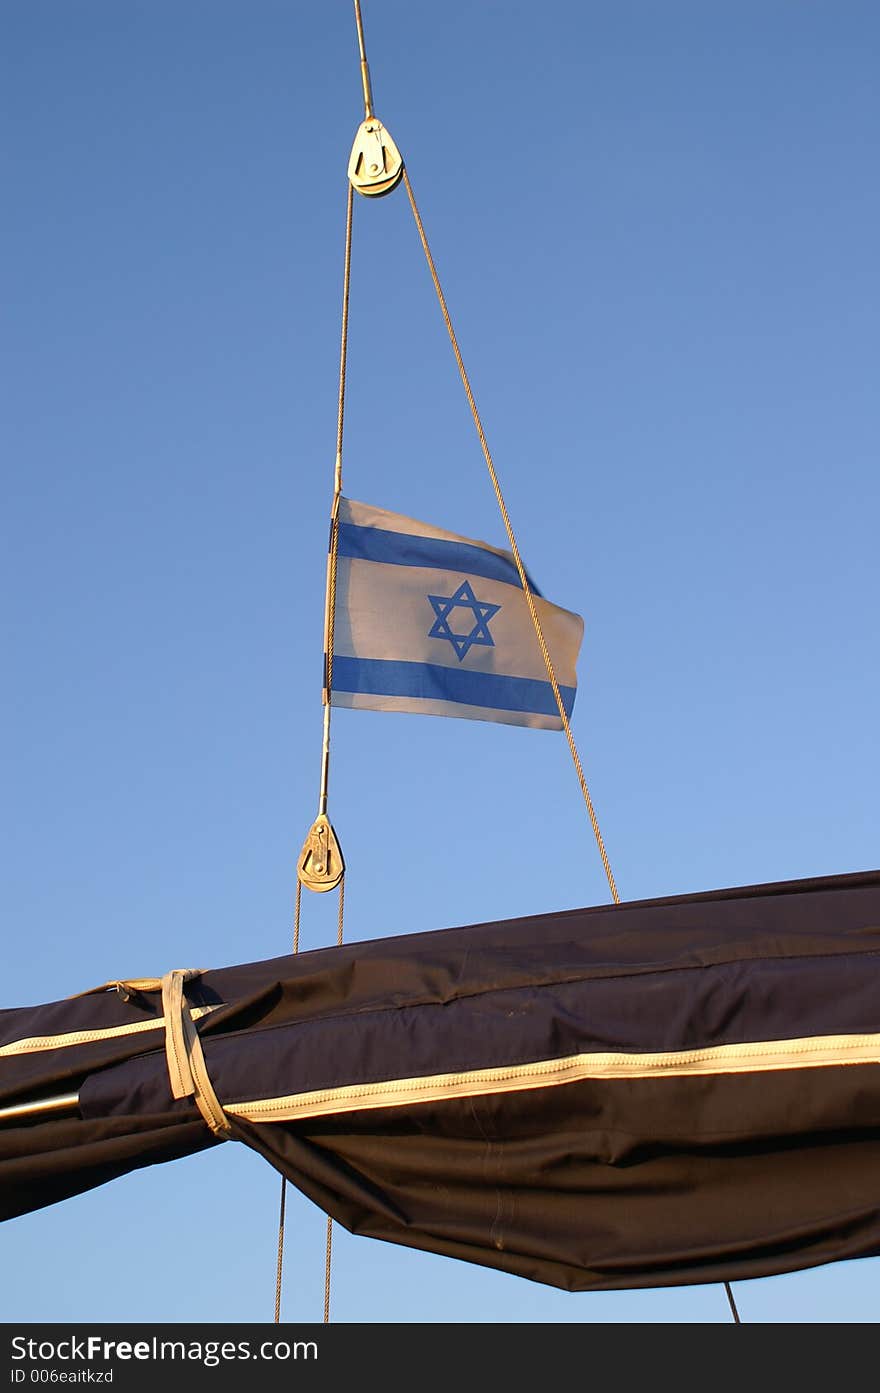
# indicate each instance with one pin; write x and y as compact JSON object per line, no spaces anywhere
{"x":330,"y":619}
{"x":735,"y":1312}
{"x":341,"y":913}
{"x":343,"y":350}
{"x":337,"y":480}
{"x":328,"y":1259}
{"x":296,"y":913}
{"x":539,"y":633}
{"x":280,"y":1266}
{"x":331,"y":613}
{"x":329,"y":1250}
{"x":327,"y":1264}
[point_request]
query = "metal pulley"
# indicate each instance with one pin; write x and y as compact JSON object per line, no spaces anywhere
{"x":375,"y":166}
{"x":321,"y":866}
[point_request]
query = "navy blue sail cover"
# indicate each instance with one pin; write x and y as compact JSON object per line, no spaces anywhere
{"x":660,"y":1092}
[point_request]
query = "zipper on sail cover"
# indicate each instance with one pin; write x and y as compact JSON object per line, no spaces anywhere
{"x":811,"y":1052}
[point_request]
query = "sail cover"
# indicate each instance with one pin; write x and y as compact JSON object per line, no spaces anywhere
{"x":664,"y":1092}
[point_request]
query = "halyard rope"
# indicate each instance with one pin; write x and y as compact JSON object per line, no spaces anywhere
{"x":328,"y":689}
{"x":524,"y":580}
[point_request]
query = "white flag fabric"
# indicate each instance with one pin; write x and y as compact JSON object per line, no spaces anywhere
{"x":427,"y":621}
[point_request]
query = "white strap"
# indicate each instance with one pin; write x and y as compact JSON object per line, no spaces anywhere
{"x":187,"y":1070}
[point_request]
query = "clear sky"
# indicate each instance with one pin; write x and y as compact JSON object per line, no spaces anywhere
{"x":657,"y":226}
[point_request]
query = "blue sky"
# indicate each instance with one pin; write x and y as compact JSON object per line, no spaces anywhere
{"x":657,"y":228}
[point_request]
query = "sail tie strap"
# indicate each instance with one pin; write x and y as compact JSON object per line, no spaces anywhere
{"x":187,"y":1070}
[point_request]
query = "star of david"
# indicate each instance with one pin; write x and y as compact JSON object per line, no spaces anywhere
{"x":464,"y":598}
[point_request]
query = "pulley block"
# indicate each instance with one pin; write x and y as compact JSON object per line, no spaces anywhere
{"x":375,"y":166}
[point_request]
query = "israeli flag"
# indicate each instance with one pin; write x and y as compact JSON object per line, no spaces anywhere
{"x":430,"y":622}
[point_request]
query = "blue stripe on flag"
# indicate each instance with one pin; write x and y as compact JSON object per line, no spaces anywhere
{"x":433,"y":553}
{"x":381,"y":677}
